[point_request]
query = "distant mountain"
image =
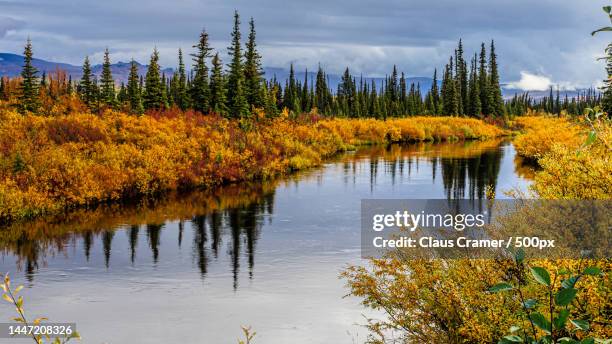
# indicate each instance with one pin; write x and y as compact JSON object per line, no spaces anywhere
{"x":10,"y":65}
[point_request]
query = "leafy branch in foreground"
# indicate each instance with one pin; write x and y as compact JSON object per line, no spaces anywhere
{"x":608,"y":10}
{"x":547,"y":317}
{"x":249,"y":334}
{"x":10,"y":295}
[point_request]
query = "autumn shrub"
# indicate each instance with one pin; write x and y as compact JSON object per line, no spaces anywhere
{"x":541,"y":133}
{"x":570,"y":168}
{"x":585,"y":173}
{"x":52,"y":163}
{"x":451,"y":301}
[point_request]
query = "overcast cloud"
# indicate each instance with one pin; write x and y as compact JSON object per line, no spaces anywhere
{"x":537,"y":41}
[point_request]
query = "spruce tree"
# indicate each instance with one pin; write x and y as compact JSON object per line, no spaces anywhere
{"x":435,"y":95}
{"x":133,"y":90}
{"x":87,"y":87}
{"x":321,"y":91}
{"x":252,"y":70}
{"x":153,"y":92}
{"x":200,"y":88}
{"x":181,"y":97}
{"x":462,"y":79}
{"x":29,"y":96}
{"x":450,"y":99}
{"x":290,"y":98}
{"x":496,"y":106}
{"x":3,"y":89}
{"x":217,"y":87}
{"x":475,"y":108}
{"x":483,"y":81}
{"x":238,"y":106}
{"x":305,"y":97}
{"x":107,"y":84}
{"x":43,"y":80}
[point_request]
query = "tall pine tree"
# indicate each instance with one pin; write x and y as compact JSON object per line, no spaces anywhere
{"x":154,"y":93}
{"x":28,"y":99}
{"x":87,"y":86}
{"x":483,"y":82}
{"x":180,"y":95}
{"x":107,"y":84}
{"x":200,"y":88}
{"x":252,"y":70}
{"x":217,"y":87}
{"x":236,"y":97}
{"x":133,"y":90}
{"x":496,"y":106}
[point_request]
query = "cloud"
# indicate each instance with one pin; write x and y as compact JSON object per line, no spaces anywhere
{"x":531,"y":82}
{"x":7,"y":24}
{"x":546,"y":37}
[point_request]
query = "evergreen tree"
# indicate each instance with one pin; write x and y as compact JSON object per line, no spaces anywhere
{"x":181,"y":97}
{"x":122,"y":94}
{"x":496,"y":106}
{"x":29,"y":96}
{"x":133,"y":90}
{"x":164,"y":88}
{"x":321,"y":91}
{"x":69,"y":88}
{"x":200,"y":88}
{"x":403,"y":97}
{"x":3,"y":89}
{"x":87,"y":87}
{"x":153,"y":89}
{"x":475,"y":107}
{"x":483,"y":82}
{"x":435,"y":95}
{"x":450,"y":99}
{"x":217,"y":87}
{"x":305,"y":97}
{"x":462,"y":79}
{"x":252,"y":70}
{"x":107,"y":84}
{"x":43,"y":80}
{"x":290,"y":98}
{"x":236,"y":97}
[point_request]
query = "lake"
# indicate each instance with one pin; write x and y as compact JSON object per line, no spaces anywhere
{"x":193,"y":268}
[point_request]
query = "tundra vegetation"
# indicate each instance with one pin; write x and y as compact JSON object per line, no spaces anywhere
{"x":68,"y":144}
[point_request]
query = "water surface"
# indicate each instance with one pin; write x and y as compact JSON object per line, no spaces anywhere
{"x":193,"y":268}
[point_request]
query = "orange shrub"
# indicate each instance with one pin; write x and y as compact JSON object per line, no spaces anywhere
{"x":52,"y":163}
{"x":541,"y":133}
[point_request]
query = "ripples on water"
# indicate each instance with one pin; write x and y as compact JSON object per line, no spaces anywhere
{"x":192,"y":268}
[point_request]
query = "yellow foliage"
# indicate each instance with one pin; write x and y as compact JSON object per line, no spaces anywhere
{"x":542,"y":133}
{"x":568,"y":170}
{"x":52,"y":163}
{"x":448,"y":301}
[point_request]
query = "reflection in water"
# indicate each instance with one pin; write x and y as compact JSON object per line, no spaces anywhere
{"x":237,"y":213}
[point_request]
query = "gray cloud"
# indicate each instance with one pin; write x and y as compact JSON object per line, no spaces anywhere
{"x":549,"y":38}
{"x":7,"y":24}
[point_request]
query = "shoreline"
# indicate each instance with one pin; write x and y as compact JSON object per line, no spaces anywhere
{"x":81,"y":160}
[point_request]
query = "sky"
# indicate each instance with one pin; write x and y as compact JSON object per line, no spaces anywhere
{"x":539,"y":43}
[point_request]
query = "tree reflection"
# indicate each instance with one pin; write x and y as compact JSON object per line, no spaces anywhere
{"x":233,"y":215}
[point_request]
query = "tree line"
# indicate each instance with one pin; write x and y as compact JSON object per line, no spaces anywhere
{"x":238,"y":89}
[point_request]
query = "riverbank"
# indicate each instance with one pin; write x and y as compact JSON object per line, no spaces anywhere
{"x":50,"y":164}
{"x":574,"y":156}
